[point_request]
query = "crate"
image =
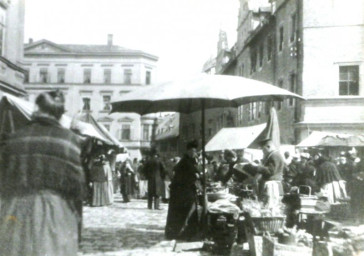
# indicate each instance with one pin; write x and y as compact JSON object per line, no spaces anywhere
{"x":255,"y":245}
{"x":271,"y":247}
{"x":259,"y":225}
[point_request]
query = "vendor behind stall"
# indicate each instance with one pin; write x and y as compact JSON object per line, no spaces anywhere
{"x":228,"y":170}
{"x":270,"y":189}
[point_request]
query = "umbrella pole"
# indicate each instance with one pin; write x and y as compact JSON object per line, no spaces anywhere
{"x":204,"y":204}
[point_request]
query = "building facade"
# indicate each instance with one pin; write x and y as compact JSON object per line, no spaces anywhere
{"x":91,"y":77}
{"x":11,"y":47}
{"x":312,"y":48}
{"x":333,"y":66}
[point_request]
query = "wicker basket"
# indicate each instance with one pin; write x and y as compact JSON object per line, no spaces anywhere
{"x":272,"y":248}
{"x":259,"y":225}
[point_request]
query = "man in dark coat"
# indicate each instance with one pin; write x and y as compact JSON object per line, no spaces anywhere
{"x":155,"y":174}
{"x":272,"y":170}
{"x":182,"y":219}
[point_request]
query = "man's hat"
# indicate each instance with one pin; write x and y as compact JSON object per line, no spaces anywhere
{"x":229,"y":153}
{"x":192,"y":144}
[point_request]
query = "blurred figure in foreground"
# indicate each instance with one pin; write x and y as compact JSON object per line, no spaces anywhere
{"x":41,"y":185}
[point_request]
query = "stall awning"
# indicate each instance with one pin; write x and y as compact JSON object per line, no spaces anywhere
{"x":234,"y":138}
{"x":16,"y":112}
{"x":326,"y":139}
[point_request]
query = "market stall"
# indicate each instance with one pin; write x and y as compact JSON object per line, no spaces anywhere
{"x":16,"y":112}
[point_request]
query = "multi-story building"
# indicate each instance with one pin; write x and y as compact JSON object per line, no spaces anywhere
{"x":91,"y":77}
{"x":11,"y":47}
{"x":311,"y":48}
{"x":167,"y":136}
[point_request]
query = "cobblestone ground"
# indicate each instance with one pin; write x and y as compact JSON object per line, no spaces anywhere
{"x":126,"y":229}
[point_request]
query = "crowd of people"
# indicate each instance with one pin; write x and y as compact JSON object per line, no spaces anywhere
{"x":48,"y":172}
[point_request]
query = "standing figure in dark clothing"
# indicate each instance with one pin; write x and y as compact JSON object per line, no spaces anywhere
{"x":182,"y":218}
{"x":126,"y":180}
{"x":329,"y":180}
{"x":155,"y":173}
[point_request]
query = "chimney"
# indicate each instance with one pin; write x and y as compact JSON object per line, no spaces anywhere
{"x":109,"y":39}
{"x":30,"y":40}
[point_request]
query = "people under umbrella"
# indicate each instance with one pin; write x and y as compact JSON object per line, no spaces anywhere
{"x":42,"y":181}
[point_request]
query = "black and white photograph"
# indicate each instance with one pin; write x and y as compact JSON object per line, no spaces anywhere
{"x":181,"y":127}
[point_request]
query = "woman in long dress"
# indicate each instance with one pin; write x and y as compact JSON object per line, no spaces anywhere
{"x":41,"y":185}
{"x":101,"y":175}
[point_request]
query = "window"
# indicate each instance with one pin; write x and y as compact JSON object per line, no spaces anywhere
{"x":209,"y":132}
{"x":293,"y":27}
{"x":107,"y":76}
{"x":269,"y":47}
{"x":86,"y":104}
{"x":279,"y":103}
{"x":61,"y":75}
{"x":148,"y":77}
{"x":349,"y":80}
{"x":146,"y":132}
{"x":43,"y":75}
{"x":2,"y":30}
{"x":127,"y":76}
{"x":281,"y":38}
{"x":253,"y":61}
{"x":252,"y":110}
{"x":242,"y":69}
{"x":125,"y":132}
{"x":26,"y":76}
{"x":106,"y":99}
{"x":260,"y":108}
{"x":240,"y":114}
{"x":292,"y":88}
{"x":87,"y":76}
{"x":261,"y":55}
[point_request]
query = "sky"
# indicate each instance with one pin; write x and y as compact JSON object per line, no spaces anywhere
{"x":182,"y":33}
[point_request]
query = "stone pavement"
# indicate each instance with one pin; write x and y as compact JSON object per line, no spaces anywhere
{"x":126,"y":229}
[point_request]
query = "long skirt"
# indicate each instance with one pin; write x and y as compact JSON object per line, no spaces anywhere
{"x":38,"y":224}
{"x":181,"y":202}
{"x":334,"y":191}
{"x":102,"y":193}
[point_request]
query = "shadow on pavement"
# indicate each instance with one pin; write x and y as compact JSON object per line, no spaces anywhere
{"x":146,"y":226}
{"x":116,"y":239}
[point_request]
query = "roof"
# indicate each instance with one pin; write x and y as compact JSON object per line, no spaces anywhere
{"x":48,"y":47}
{"x":234,"y":138}
{"x":168,"y":127}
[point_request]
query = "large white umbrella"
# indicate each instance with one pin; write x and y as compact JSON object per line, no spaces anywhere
{"x":198,"y":93}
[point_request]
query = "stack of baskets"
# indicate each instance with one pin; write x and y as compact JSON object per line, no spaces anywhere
{"x":307,"y":200}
